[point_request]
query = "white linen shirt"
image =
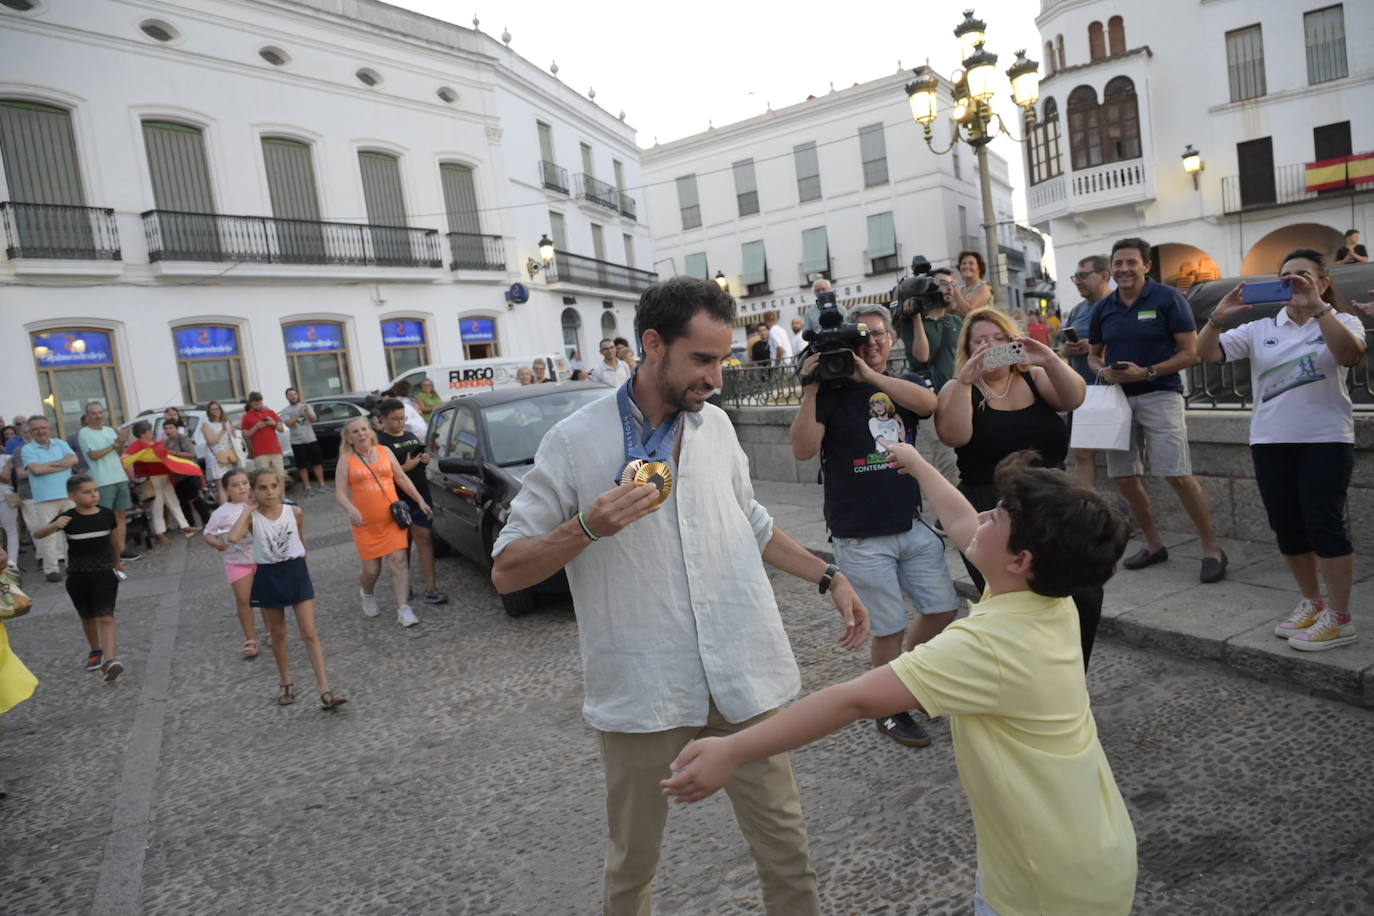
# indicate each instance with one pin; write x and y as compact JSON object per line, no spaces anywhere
{"x":1299,"y":390}
{"x":778,"y":338}
{"x":612,"y":378}
{"x":675,"y":610}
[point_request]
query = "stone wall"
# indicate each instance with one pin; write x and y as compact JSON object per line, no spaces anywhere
{"x":1221,"y":462}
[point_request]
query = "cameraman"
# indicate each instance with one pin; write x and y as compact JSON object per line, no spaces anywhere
{"x":931,"y":336}
{"x":881,"y":545}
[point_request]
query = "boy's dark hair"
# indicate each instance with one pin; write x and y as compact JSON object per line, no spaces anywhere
{"x":1135,"y":242}
{"x":667,"y":307}
{"x":1074,"y":537}
{"x":170,"y":422}
{"x":141,"y":427}
{"x":385,"y":408}
{"x":229,"y":475}
{"x":75,"y":481}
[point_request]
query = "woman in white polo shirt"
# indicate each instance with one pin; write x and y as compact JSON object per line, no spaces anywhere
{"x":1302,"y":436}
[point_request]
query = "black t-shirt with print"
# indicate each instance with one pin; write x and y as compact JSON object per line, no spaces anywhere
{"x":89,"y":547}
{"x":406,"y":446}
{"x":863,"y":496}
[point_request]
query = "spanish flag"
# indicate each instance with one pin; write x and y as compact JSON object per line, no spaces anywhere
{"x":141,"y":452}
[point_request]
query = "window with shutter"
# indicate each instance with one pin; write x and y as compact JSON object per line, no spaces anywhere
{"x":1245,"y":63}
{"x":815,"y":252}
{"x":386,"y":211}
{"x":746,"y":187}
{"x":291,"y":187}
{"x":694,"y":265}
{"x":754,"y":270}
{"x":808,"y":171}
{"x":1325,"y":35}
{"x":882,"y":243}
{"x":688,"y":202}
{"x":181,"y":189}
{"x":873,"y":151}
{"x":38,"y":149}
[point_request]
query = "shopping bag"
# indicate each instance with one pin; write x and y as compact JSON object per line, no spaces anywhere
{"x":1103,"y":421}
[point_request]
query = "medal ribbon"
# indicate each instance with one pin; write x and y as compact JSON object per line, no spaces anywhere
{"x":661,"y":439}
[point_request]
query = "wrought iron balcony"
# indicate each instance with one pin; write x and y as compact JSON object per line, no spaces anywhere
{"x":597,"y":191}
{"x":627,"y":206}
{"x":553,"y":177}
{"x":177,"y":236}
{"x":1291,"y":184}
{"x":476,"y":252}
{"x":59,"y":231}
{"x":576,"y":268}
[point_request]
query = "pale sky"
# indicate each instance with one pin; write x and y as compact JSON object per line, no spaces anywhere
{"x":674,"y":69}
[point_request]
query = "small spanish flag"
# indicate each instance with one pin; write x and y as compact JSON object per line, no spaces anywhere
{"x":157,"y":454}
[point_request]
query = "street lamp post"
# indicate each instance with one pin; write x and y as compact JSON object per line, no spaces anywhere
{"x":974,"y":121}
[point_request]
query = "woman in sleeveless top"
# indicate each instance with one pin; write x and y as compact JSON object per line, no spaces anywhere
{"x":221,"y":441}
{"x":366,"y":479}
{"x":987,"y":414}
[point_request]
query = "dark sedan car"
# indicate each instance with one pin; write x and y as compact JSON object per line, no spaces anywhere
{"x":481,"y":448}
{"x":332,"y":412}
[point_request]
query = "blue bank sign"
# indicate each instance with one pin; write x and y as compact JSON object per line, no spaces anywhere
{"x":403,"y":333}
{"x":309,"y":338}
{"x":61,"y":349}
{"x":206,"y":342}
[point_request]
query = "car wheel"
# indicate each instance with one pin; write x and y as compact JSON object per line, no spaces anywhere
{"x":519,"y":603}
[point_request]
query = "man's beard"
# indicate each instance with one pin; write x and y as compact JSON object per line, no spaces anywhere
{"x":675,"y":398}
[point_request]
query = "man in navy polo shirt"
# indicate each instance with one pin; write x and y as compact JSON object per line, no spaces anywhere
{"x":1146,"y":331}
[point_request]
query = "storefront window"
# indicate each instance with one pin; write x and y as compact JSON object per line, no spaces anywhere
{"x":404,"y":340}
{"x":209,"y":363}
{"x":479,"y":338}
{"x":75,"y":367}
{"x":317,"y":354}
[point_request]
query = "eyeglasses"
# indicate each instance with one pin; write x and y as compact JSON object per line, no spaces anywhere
{"x":879,"y":335}
{"x":1085,"y":274}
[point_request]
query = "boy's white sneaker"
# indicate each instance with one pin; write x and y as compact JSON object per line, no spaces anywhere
{"x":405,"y":616}
{"x":370,"y":607}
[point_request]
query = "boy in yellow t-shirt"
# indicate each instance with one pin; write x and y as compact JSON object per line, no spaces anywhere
{"x":1053,"y":833}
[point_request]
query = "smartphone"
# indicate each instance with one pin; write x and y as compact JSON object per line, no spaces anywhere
{"x":121,"y":575}
{"x":1007,"y":354}
{"x":1267,"y":291}
{"x":1118,"y":366}
{"x":1070,"y":334}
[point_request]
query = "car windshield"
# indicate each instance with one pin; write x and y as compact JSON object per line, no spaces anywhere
{"x":516,"y":428}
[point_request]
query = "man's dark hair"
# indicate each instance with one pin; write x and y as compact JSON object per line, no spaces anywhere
{"x":620,"y":342}
{"x":667,"y":307}
{"x":1074,"y":537}
{"x":947,"y":271}
{"x":141,"y":427}
{"x":170,"y":422}
{"x":1096,"y":263}
{"x":606,"y":340}
{"x":75,"y":481}
{"x":1350,"y":232}
{"x":289,"y":390}
{"x":1137,"y":243}
{"x":253,"y":396}
{"x":385,"y":408}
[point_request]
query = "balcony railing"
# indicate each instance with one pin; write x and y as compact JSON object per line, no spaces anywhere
{"x":471,"y":251}
{"x":597,"y":191}
{"x":576,"y":268}
{"x":1286,"y":185}
{"x":1109,"y":180}
{"x":59,"y":231}
{"x":627,"y":205}
{"x":177,"y":236}
{"x":553,"y":176}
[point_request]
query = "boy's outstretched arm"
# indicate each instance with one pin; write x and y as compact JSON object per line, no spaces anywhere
{"x":709,"y":763}
{"x":957,"y":515}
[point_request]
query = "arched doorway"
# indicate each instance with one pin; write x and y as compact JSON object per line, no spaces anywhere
{"x":1263,"y":257}
{"x":572,"y":332}
{"x":1180,"y":266}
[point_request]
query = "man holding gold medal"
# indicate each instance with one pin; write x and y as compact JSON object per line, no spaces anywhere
{"x":646,"y":494}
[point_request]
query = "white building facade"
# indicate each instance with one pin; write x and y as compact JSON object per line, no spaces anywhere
{"x":1271,"y":94}
{"x":841,"y":186}
{"x":205,"y":198}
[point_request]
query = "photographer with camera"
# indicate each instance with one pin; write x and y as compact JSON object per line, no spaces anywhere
{"x":850,"y":407}
{"x":929,"y":326}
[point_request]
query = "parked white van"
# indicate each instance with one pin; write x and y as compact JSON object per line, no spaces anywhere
{"x":454,"y":380}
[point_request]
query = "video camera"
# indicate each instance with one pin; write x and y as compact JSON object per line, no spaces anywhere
{"x":835,"y":343}
{"x":920,"y":289}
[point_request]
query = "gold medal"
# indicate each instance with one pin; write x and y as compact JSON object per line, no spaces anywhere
{"x":655,"y":473}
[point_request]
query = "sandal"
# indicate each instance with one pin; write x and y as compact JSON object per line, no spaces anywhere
{"x":250,"y":648}
{"x":285,"y":695}
{"x":331,"y":700}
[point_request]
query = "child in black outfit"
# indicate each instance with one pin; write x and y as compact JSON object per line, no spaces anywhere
{"x":91,"y":565}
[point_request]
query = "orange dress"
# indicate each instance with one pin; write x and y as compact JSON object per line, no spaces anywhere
{"x":378,"y":535}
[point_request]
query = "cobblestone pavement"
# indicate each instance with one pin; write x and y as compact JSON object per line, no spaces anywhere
{"x":460,"y":779}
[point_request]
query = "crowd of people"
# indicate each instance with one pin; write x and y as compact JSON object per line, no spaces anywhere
{"x":685,"y":658}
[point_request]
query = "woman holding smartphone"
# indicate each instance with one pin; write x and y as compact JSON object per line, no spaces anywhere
{"x":1302,"y":435}
{"x":986,"y":414}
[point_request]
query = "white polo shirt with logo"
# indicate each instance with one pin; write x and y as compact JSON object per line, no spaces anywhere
{"x":1298,"y":389}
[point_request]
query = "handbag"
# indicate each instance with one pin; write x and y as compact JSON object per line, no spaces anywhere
{"x":400,"y":512}
{"x":226,"y":455}
{"x":13,"y":601}
{"x":1103,"y":421}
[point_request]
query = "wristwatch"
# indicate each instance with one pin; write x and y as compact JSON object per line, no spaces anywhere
{"x":830,"y":572}
{"x":1150,"y":373}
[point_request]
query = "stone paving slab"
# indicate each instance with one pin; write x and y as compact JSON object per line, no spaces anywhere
{"x":1165,"y":606}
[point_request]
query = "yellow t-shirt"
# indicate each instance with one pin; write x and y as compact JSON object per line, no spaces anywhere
{"x":1054,"y":836}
